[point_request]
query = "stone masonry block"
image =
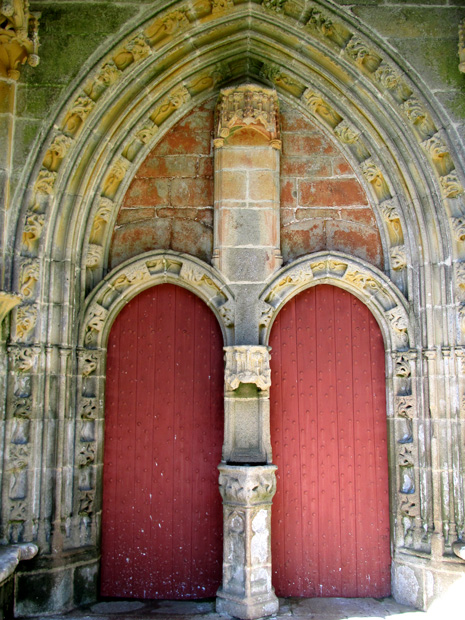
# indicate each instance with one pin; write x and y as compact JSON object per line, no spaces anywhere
{"x":252,"y":227}
{"x":331,"y":193}
{"x":240,"y":158}
{"x":263,"y":185}
{"x":191,"y":192}
{"x":247,"y":264}
{"x":169,"y":166}
{"x":230,"y":185}
{"x":147,"y":192}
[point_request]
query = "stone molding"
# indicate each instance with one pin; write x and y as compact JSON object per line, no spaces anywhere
{"x":361,"y":279}
{"x":137,"y":274}
{"x":247,"y":364}
{"x":19,"y":37}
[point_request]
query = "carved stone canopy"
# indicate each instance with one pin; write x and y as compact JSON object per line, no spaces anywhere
{"x":19,"y":40}
{"x":248,"y":106}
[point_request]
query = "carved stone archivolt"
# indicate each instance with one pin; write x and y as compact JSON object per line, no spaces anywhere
{"x":361,"y":279}
{"x":132,"y":277}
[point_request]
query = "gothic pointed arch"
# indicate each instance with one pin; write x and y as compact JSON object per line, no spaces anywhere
{"x":402,"y":146}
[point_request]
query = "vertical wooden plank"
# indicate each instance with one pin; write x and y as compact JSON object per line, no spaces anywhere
{"x":334,"y":428}
{"x":344,"y":357}
{"x":308,"y":406}
{"x":160,"y":346}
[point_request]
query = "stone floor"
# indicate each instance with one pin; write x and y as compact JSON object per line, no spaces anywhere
{"x":293,"y":609}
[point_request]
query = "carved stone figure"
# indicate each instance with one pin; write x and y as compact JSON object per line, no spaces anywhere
{"x":26,"y":319}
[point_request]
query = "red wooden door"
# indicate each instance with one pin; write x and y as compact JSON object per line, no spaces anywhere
{"x":162,"y":511}
{"x":330,"y":518}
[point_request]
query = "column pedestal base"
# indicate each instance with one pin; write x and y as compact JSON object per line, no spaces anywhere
{"x":247,"y":608}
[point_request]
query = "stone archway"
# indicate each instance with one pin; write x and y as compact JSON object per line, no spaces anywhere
{"x":348,"y":83}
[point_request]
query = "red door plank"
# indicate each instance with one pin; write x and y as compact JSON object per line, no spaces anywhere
{"x":330,"y":519}
{"x":162,"y":513}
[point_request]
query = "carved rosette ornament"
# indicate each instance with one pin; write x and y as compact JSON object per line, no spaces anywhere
{"x":247,"y":364}
{"x":19,"y":37}
{"x":248,"y":106}
{"x":247,"y":493}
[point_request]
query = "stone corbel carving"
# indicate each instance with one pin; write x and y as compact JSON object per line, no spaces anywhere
{"x":248,"y":106}
{"x":19,"y":37}
{"x":247,"y":364}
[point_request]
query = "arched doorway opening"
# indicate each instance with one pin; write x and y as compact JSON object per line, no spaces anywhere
{"x":330,"y":518}
{"x":162,"y":512}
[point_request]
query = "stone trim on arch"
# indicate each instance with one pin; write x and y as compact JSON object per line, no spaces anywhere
{"x":403,"y":403}
{"x":360,"y":278}
{"x":150,"y":269}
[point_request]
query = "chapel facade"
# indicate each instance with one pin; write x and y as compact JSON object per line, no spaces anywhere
{"x":232,"y":302}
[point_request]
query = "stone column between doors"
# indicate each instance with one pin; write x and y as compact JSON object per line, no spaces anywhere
{"x":247,"y":252}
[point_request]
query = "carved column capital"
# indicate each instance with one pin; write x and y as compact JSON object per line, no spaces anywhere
{"x":247,"y":364}
{"x":248,"y":105}
{"x":247,"y":486}
{"x":19,"y":39}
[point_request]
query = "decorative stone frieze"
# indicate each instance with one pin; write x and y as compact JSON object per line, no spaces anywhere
{"x":363,"y":280}
{"x":365,"y":57}
{"x":219,"y":6}
{"x":373,"y":174}
{"x":451,"y":185}
{"x":32,"y":231}
{"x":77,"y":115}
{"x":153,"y":268}
{"x":57,"y":152}
{"x":247,"y":492}
{"x":322,"y":23}
{"x":19,"y":37}
{"x":172,"y":102}
{"x":247,"y":364}
{"x":274,"y":5}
